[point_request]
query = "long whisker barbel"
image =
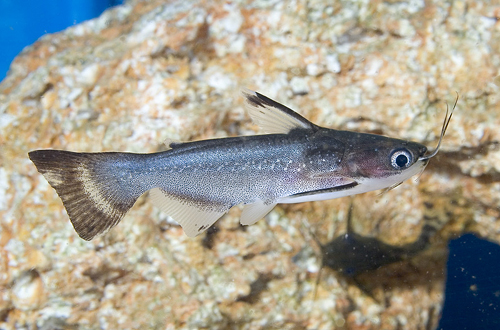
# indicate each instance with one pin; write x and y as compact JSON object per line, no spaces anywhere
{"x":446,"y":122}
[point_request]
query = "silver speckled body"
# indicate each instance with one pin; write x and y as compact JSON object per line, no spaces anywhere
{"x":226,"y":172}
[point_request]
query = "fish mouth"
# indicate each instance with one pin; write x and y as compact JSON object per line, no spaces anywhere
{"x":422,"y":151}
{"x":424,"y":161}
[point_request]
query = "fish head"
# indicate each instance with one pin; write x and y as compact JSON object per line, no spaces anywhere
{"x":382,"y":162}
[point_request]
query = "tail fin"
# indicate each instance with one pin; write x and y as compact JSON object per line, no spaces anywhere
{"x":89,"y":191}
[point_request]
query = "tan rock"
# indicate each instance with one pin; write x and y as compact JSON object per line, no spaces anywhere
{"x":28,"y":292}
{"x":151,"y":70}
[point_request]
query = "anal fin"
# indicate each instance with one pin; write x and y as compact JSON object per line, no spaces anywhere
{"x":255,"y":211}
{"x":193,"y":217}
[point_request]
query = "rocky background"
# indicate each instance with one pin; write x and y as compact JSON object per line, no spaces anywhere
{"x":154,"y":70}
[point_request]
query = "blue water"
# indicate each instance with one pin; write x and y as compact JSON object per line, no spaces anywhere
{"x":23,"y":22}
{"x":473,"y":285}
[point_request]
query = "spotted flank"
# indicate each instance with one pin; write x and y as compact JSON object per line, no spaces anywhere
{"x":196,"y":183}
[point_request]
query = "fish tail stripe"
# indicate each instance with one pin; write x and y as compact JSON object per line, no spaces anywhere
{"x":87,"y":195}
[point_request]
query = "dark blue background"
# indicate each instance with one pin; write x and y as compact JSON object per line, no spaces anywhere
{"x":473,"y":285}
{"x":22,"y":22}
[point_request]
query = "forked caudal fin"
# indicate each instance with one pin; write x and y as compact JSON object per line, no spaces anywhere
{"x":91,"y":197}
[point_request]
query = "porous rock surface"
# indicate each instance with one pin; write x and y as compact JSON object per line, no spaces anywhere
{"x":154,"y":70}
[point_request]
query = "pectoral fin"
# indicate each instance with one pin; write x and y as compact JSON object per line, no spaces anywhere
{"x":254,"y":212}
{"x":169,"y":143}
{"x":327,"y":190}
{"x":193,"y":217}
{"x":342,"y":188}
{"x":273,"y":117}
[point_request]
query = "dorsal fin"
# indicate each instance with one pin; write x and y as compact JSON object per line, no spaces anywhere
{"x":273,"y":117}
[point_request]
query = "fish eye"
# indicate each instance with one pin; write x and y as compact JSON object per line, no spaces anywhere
{"x":401,"y":159}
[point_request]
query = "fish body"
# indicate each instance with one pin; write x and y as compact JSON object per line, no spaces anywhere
{"x":198,"y":182}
